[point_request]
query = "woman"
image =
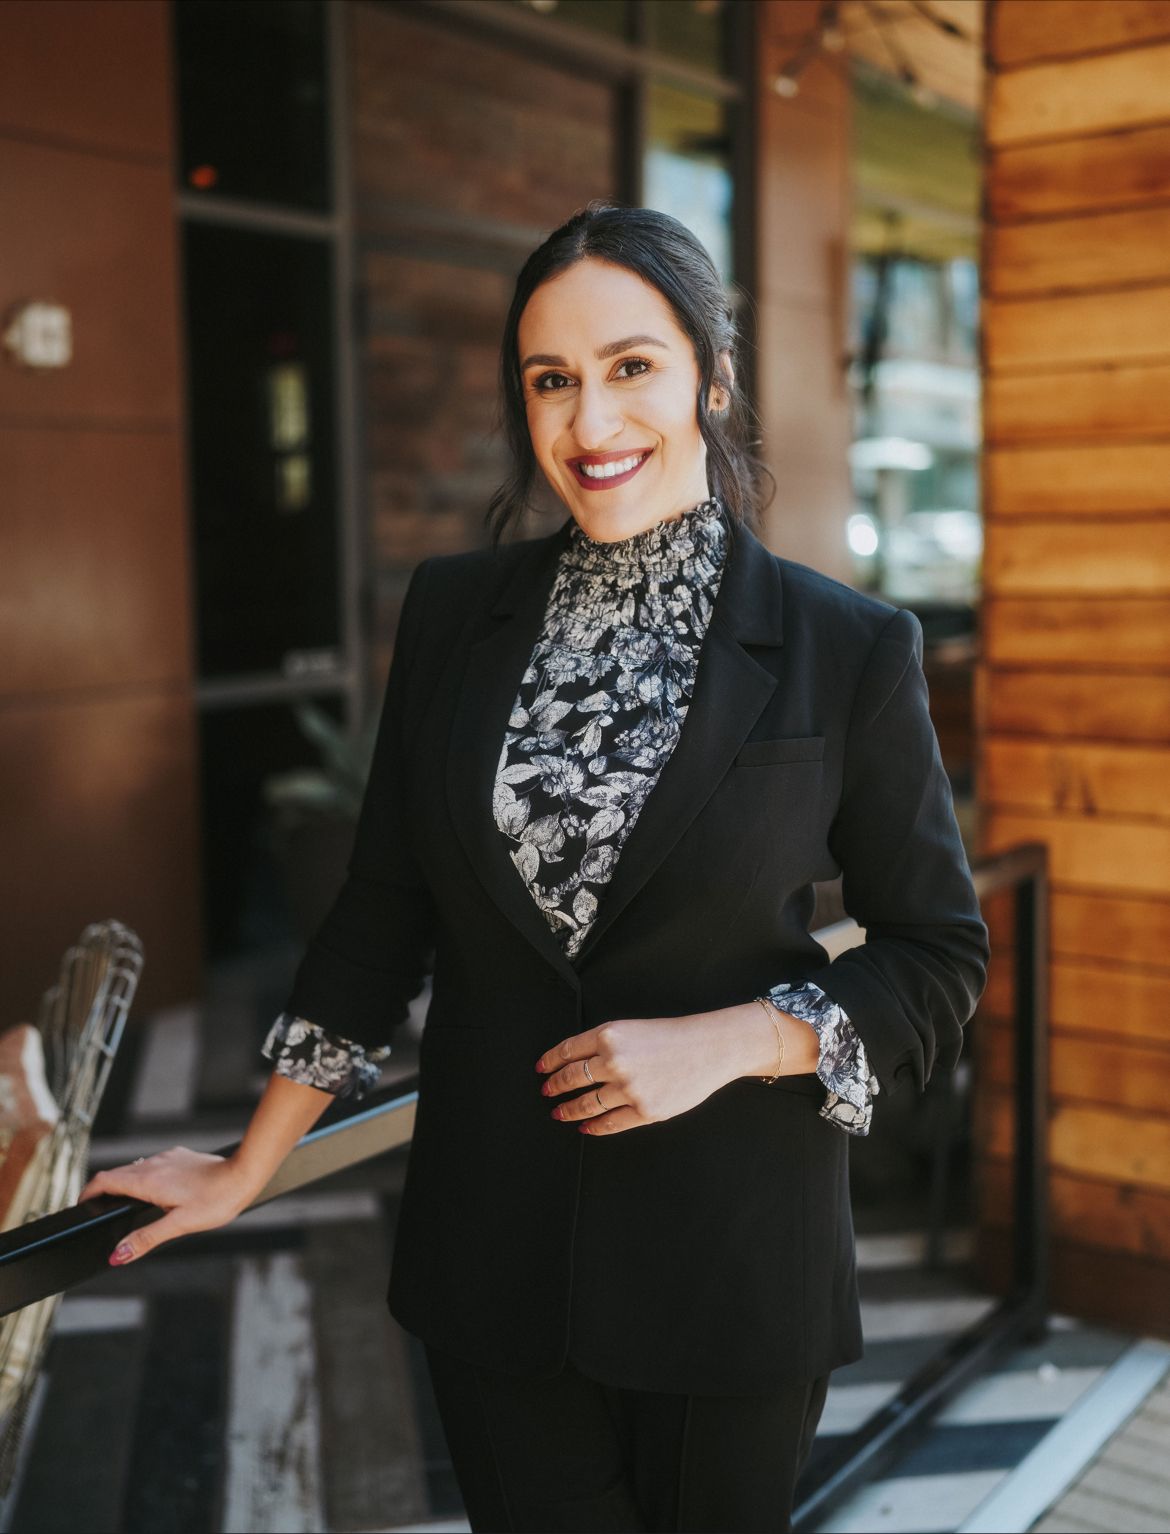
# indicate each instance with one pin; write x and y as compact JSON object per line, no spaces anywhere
{"x":612,"y":762}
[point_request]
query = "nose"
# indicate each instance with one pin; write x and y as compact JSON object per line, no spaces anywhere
{"x":597,"y":419}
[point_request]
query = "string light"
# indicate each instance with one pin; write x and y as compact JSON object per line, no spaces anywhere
{"x":828,"y":38}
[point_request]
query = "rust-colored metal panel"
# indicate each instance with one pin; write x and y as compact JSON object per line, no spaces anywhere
{"x":95,"y":72}
{"x":98,"y":236}
{"x":100,"y":811}
{"x":94,"y":579}
{"x":97,"y":727}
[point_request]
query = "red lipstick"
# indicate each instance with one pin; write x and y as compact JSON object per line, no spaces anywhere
{"x":607,"y":483}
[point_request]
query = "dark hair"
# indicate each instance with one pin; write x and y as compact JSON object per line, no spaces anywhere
{"x":667,"y":255}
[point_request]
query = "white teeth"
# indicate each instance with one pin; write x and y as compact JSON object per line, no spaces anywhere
{"x":608,"y":470}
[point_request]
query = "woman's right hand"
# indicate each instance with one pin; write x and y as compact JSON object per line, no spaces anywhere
{"x":199,"y":1190}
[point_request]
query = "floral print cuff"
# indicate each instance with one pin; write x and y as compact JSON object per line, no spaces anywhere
{"x":844,"y":1066}
{"x":305,"y":1052}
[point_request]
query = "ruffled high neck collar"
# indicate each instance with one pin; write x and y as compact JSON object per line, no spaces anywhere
{"x":691,"y":545}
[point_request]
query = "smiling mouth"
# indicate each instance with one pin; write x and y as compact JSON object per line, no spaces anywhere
{"x":596,"y":475}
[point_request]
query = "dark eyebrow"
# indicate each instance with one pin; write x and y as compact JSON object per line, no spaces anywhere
{"x":610,"y":349}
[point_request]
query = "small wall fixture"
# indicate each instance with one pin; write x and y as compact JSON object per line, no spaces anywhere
{"x":38,"y":334}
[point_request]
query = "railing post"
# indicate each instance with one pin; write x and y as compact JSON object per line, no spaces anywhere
{"x":1030,"y":1245}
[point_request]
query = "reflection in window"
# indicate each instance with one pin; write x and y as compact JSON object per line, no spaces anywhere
{"x":607,"y":16}
{"x":247,"y":865}
{"x":694,"y":31}
{"x":259,"y":328}
{"x":687,"y":171}
{"x":916,"y":532}
{"x":288,"y":434}
{"x":253,"y":103}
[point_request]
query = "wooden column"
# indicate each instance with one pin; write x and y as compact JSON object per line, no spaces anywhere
{"x":1073,"y":697}
{"x":802,"y":293}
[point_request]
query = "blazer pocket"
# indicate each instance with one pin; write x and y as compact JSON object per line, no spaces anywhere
{"x":789,"y":748}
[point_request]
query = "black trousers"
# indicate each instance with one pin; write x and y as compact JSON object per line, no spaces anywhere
{"x":571,"y":1454}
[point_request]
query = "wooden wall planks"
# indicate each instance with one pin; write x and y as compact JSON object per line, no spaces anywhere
{"x":1073,"y":686}
{"x":1077,"y":478}
{"x":1098,"y":93}
{"x":1039,"y":29}
{"x":1081,"y":250}
{"x":1086,"y":1209}
{"x":1119,"y":1145}
{"x":1048,"y":557}
{"x":1122,"y":403}
{"x":1128,"y":856}
{"x":1079,"y":776}
{"x":1102,"y":328}
{"x":1115,"y":632}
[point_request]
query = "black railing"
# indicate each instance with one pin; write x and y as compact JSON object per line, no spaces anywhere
{"x":1021,"y":1314}
{"x":50,"y":1255}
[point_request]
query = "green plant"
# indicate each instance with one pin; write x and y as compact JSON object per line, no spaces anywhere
{"x":334,"y":789}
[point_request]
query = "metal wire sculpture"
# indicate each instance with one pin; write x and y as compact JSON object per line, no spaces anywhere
{"x":80,"y":1023}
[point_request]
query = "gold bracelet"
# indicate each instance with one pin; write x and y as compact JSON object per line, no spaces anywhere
{"x":773,"y":1017}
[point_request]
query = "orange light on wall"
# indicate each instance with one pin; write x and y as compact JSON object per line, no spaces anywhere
{"x":203,"y":177}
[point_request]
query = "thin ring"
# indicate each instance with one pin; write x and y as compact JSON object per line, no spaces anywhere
{"x":589,"y":1073}
{"x":597,"y":1094}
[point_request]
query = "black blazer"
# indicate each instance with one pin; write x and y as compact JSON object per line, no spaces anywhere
{"x":712,"y":1252}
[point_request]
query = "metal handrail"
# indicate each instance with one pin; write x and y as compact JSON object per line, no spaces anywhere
{"x":53,"y":1254}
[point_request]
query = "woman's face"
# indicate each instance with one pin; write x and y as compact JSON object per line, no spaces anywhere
{"x":610,"y":379}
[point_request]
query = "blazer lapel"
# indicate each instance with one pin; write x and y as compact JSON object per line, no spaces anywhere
{"x":495,"y":664}
{"x":731,"y":691}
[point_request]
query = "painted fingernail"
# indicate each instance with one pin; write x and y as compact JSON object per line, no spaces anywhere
{"x":584,"y":1129}
{"x":544,"y":1088}
{"x":556,"y":1113}
{"x":122,"y":1253}
{"x":539,"y":1066}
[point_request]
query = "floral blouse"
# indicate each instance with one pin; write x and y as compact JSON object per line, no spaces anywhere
{"x":597,"y":714}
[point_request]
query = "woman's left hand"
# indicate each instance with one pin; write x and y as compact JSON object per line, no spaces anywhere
{"x":645,"y":1069}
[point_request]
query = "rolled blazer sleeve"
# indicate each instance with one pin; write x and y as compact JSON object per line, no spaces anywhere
{"x":914,"y":983}
{"x":303,"y":1052}
{"x":374,"y":949}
